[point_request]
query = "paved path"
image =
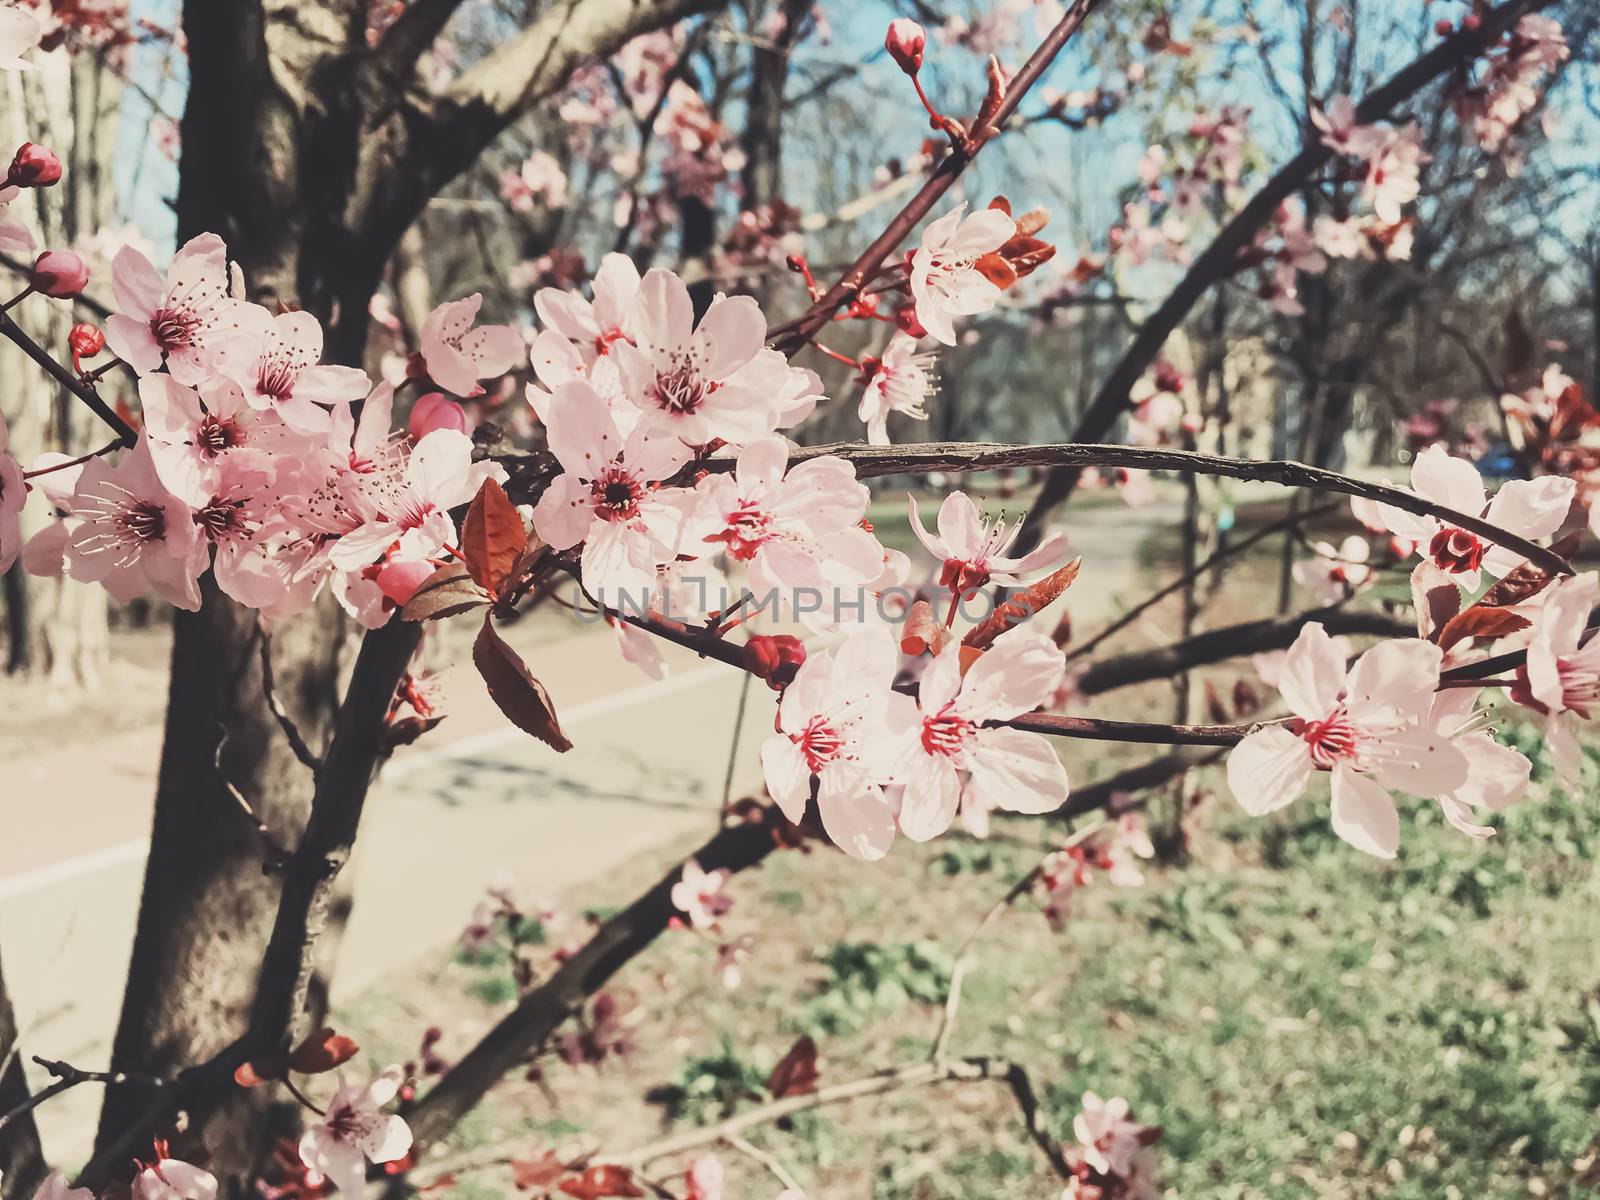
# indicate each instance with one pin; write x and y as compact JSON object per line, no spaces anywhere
{"x":475,"y":798}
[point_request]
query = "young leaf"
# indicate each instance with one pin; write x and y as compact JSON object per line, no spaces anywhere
{"x":1481,"y":622}
{"x":492,"y":537}
{"x":922,"y":633}
{"x":541,"y":1172}
{"x":796,"y":1073}
{"x":1528,"y":580}
{"x":511,"y":686}
{"x":448,"y":591}
{"x":322,"y":1051}
{"x":1023,"y":606}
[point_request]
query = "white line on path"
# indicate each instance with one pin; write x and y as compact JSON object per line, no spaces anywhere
{"x":135,"y":851}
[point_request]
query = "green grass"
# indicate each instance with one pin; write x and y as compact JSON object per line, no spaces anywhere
{"x":1301,"y":1020}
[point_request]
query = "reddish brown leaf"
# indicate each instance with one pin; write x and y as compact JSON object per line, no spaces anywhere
{"x":1030,"y":222}
{"x":448,"y":591}
{"x":1002,"y":204}
{"x":996,"y":270}
{"x":602,"y":1181}
{"x":1023,"y":606}
{"x":408,"y":729}
{"x":511,"y":686}
{"x":967,"y":655}
{"x":1481,"y":622}
{"x":1435,"y":597}
{"x":322,"y":1051}
{"x":492,"y":537}
{"x":1528,"y":580}
{"x":796,"y":1074}
{"x":254,"y":1074}
{"x":541,"y":1172}
{"x":922,"y":633}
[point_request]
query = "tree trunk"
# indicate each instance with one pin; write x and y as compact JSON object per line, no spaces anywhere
{"x":21,"y":1159}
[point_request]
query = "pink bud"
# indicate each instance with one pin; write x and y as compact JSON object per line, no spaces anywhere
{"x":400,"y":578}
{"x":436,"y":411}
{"x":775,"y":658}
{"x":904,"y":43}
{"x":33,"y":166}
{"x":60,"y":273}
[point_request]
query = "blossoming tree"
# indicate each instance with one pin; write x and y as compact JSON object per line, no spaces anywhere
{"x":272,"y":483}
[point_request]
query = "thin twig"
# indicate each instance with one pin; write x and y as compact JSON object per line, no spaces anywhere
{"x":273,"y":856}
{"x":297,"y":742}
{"x":83,"y":391}
{"x":790,"y":337}
{"x":770,"y":1162}
{"x":67,"y":1077}
{"x":1222,"y":555}
{"x":958,"y":974}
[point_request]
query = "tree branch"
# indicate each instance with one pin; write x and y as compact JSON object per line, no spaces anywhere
{"x":790,"y":337}
{"x":537,"y":470}
{"x":1219,"y":259}
{"x":82,"y":390}
{"x":21,"y":1155}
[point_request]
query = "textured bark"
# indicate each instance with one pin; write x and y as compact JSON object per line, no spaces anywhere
{"x":21,"y":1159}
{"x":311,"y":155}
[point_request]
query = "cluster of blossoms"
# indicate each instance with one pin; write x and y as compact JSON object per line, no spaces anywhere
{"x":1384,"y":723}
{"x":260,"y":460}
{"x":1496,"y":105}
{"x":1114,"y":852}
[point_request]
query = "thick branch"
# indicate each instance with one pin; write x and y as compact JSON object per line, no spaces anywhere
{"x":1219,"y":260}
{"x":531,"y":473}
{"x":1231,"y":641}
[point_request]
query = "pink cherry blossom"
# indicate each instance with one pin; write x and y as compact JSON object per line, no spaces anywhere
{"x":945,"y":281}
{"x":699,"y":895}
{"x":794,"y":531}
{"x":1369,"y":726}
{"x":698,"y":382}
{"x":132,"y":534}
{"x":355,"y":1130}
{"x":608,"y":497}
{"x":832,"y":727}
{"x":192,"y":433}
{"x":1562,"y":675}
{"x":1340,"y":130}
{"x":705,"y":1178}
{"x":408,"y":509}
{"x":20,"y":32}
{"x":902,"y":382}
{"x":191,"y":320}
{"x":1335,"y":574}
{"x":1009,"y":769}
{"x":1497,"y":776}
{"x":287,"y":377}
{"x":1110,"y":1140}
{"x":13,"y":493}
{"x":1392,"y":181}
{"x":590,"y":326}
{"x":973,"y":550}
{"x":1531,"y":508}
{"x":458,"y":356}
{"x":170,"y":1179}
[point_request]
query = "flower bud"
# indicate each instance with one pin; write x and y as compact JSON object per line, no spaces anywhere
{"x":60,"y":273}
{"x":775,"y":658}
{"x":436,"y":411}
{"x":33,"y":166}
{"x":904,"y":43}
{"x":399,"y":578}
{"x":86,"y":340}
